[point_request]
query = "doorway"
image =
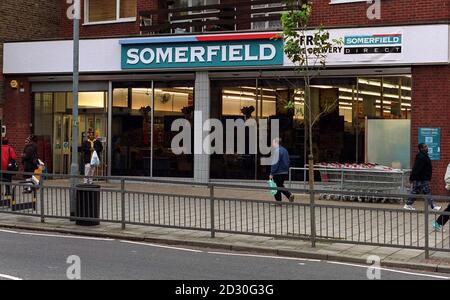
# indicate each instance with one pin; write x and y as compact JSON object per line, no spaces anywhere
{"x":62,"y":135}
{"x":52,"y":124}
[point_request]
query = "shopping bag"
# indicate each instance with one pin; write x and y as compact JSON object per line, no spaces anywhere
{"x":273,"y":187}
{"x":95,"y":161}
{"x":447,"y":178}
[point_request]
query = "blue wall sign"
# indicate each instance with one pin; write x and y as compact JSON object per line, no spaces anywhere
{"x":431,"y":137}
{"x":193,"y":52}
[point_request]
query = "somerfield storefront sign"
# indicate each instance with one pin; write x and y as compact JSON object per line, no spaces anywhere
{"x":203,"y":51}
{"x":373,"y":44}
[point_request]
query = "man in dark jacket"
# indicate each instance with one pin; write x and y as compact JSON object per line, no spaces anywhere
{"x":279,"y":172}
{"x":89,"y":146}
{"x":30,"y":156}
{"x":420,"y":178}
{"x":30,"y":159}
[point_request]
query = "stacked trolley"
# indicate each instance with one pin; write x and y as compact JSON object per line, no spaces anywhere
{"x":362,"y":181}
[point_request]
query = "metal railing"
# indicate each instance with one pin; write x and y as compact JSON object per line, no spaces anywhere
{"x":237,"y":209}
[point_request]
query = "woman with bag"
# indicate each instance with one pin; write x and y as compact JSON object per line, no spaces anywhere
{"x":443,"y":219}
{"x":91,"y":151}
{"x":9,"y":163}
{"x":30,"y":159}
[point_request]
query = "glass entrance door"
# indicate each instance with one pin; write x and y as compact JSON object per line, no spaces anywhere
{"x":96,"y":121}
{"x":62,"y":137}
{"x":62,"y":149}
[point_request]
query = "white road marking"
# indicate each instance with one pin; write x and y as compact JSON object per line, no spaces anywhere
{"x":264,"y":256}
{"x":389,"y":270}
{"x":161,"y":246}
{"x":8,"y":231}
{"x":65,"y":236}
{"x":10,"y":277}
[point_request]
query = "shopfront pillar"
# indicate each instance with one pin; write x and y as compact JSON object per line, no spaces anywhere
{"x":202,"y":108}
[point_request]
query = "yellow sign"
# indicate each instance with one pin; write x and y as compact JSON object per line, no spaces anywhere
{"x":14,"y":84}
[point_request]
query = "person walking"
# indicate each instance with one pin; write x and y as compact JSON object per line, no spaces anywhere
{"x":280,"y":170}
{"x":420,"y":177}
{"x":9,"y":159}
{"x":89,"y":146}
{"x":443,"y":219}
{"x":30,"y":159}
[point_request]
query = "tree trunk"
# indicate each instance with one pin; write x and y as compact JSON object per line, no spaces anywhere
{"x":311,"y":163}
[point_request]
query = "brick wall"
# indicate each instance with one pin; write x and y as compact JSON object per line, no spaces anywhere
{"x":18,"y":110}
{"x":431,"y":108}
{"x":336,"y":15}
{"x":118,"y":29}
{"x":392,"y":12}
{"x":23,"y":20}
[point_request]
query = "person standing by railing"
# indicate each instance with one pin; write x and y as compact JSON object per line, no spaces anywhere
{"x":9,"y":163}
{"x":30,"y":158}
{"x":280,"y":169}
{"x":91,"y":145}
{"x":421,"y":177}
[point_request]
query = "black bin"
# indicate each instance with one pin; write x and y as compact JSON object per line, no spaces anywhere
{"x":88,"y":204}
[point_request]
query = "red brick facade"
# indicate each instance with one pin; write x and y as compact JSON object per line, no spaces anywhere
{"x":117,"y":29}
{"x":431,"y":108}
{"x":18,"y":110}
{"x":393,"y":12}
{"x":23,"y":20}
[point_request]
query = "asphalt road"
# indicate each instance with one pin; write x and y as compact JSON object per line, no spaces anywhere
{"x":41,"y":256}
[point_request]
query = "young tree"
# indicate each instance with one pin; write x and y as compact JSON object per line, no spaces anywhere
{"x":308,"y":49}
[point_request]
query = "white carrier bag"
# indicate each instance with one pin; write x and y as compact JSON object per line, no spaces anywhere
{"x":447,"y":178}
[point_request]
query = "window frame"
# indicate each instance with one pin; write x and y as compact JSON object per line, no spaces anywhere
{"x":267,"y":14}
{"x":346,"y":1}
{"x":199,"y":13}
{"x":118,"y":19}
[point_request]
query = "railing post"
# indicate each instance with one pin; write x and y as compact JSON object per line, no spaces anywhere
{"x":403,"y":181}
{"x":290,"y":178}
{"x":122,"y":202}
{"x":41,"y":195}
{"x":313,"y":218}
{"x":427,"y":229}
{"x":211,"y":205}
{"x":304,"y":178}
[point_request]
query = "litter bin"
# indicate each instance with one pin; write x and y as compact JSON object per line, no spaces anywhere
{"x":88,"y":204}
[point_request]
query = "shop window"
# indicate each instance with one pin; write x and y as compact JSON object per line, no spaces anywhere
{"x":234,"y":100}
{"x":171,"y":100}
{"x":88,"y":100}
{"x":140,"y":149}
{"x":60,"y":102}
{"x":110,"y":10}
{"x":120,"y":98}
{"x":141,"y":99}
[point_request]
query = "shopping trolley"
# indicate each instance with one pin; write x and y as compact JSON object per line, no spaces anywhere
{"x":362,"y":181}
